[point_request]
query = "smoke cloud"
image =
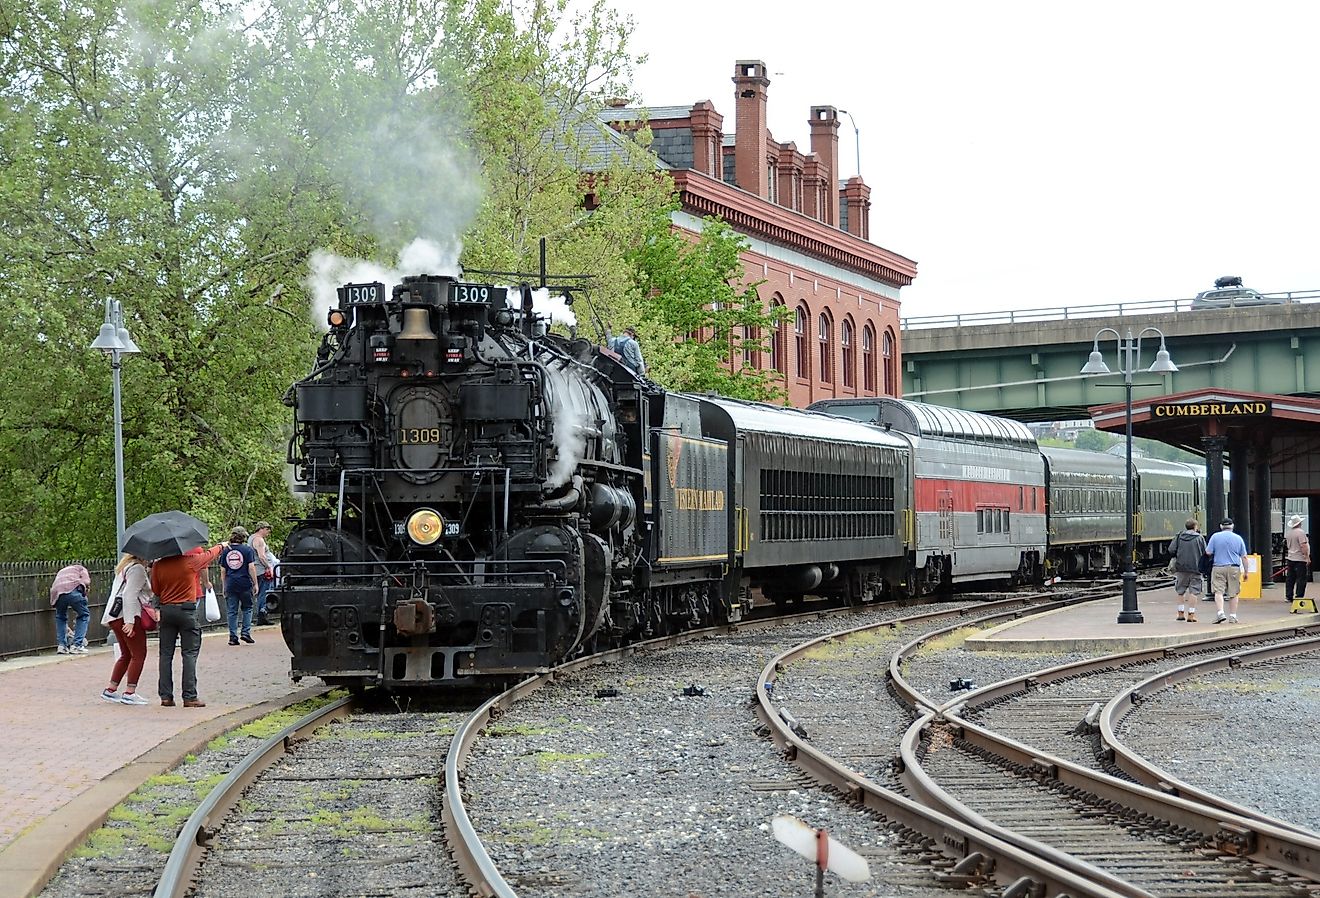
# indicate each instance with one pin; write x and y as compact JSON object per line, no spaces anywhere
{"x":553,"y":306}
{"x":328,"y":271}
{"x":571,"y":424}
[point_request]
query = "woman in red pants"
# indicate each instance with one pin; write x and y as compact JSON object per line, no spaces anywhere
{"x":123,"y":613}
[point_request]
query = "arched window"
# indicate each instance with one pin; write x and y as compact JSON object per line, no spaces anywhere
{"x":825,"y":335}
{"x":846,"y":350}
{"x":800,"y":338}
{"x":750,"y":337}
{"x":891,"y":372}
{"x":778,"y":341}
{"x":868,"y":359}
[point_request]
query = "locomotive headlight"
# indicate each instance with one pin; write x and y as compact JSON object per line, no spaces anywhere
{"x":425,"y":526}
{"x":337,"y":318}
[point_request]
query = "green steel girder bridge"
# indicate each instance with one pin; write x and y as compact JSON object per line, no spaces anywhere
{"x":1026,"y":365}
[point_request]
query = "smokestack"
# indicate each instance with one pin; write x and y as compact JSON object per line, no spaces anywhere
{"x":825,"y":144}
{"x":707,"y":140}
{"x":750,"y":147}
{"x":857,"y":199}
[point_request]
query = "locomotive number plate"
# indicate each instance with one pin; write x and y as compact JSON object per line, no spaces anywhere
{"x":475,"y":293}
{"x":355,"y":294}
{"x":415,"y":436}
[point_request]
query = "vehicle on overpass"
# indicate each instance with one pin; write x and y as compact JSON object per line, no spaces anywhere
{"x":1229,"y":293}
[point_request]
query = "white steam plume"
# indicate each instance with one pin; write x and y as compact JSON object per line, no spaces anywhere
{"x":553,"y":306}
{"x":329,"y":272}
{"x":571,"y":425}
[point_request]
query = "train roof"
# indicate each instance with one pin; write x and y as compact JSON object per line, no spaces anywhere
{"x":760,"y":417}
{"x":922,"y":419}
{"x":1082,"y":461}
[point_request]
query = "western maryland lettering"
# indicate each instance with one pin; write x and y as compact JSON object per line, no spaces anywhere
{"x":699,"y":500}
{"x":1254,"y":408}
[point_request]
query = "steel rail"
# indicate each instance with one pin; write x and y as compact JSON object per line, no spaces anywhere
{"x":1150,"y":774}
{"x":465,"y":843}
{"x":200,"y":828}
{"x":474,"y":861}
{"x":995,"y":692}
{"x":1270,"y":843}
{"x":978,"y":851}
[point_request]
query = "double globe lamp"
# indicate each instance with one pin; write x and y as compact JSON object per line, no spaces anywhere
{"x":1129,"y":358}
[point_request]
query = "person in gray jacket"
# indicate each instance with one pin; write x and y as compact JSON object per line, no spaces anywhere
{"x":1187,"y":549}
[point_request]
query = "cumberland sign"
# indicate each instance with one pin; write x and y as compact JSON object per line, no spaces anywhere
{"x":1246,"y":409}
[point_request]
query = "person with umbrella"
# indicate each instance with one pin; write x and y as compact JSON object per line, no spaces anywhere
{"x":166,"y":536}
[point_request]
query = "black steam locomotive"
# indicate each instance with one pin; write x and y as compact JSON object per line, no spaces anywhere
{"x":496,"y":498}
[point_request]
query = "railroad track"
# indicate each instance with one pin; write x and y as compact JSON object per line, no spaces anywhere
{"x":228,"y":831}
{"x":1117,"y":835}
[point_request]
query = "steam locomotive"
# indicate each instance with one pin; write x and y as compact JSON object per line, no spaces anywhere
{"x":493,"y":498}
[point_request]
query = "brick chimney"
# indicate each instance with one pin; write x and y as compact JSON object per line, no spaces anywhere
{"x":790,"y":176}
{"x":750,"y":146}
{"x":707,"y":140}
{"x":857,"y":199}
{"x":825,"y":144}
{"x":813,"y":191}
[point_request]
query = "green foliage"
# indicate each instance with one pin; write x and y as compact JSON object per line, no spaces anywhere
{"x":699,"y":314}
{"x":189,"y":158}
{"x":1094,"y":440}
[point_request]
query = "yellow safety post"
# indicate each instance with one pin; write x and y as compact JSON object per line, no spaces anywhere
{"x":1250,"y":577}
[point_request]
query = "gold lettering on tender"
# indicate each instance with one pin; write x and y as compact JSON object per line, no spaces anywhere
{"x":699,"y":500}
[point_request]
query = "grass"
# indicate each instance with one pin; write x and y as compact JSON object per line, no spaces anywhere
{"x":151,"y":816}
{"x":547,"y":759}
{"x":537,"y":833}
{"x":951,"y":640}
{"x":848,"y":648}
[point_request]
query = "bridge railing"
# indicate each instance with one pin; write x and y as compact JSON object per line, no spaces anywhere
{"x":1066,"y":313}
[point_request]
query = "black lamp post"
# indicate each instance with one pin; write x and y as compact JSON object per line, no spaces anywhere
{"x":1129,"y":358}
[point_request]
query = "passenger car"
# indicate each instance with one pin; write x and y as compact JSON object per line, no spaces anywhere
{"x":1234,"y":297}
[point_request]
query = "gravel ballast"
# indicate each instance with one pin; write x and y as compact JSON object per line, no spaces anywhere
{"x":1246,"y":734}
{"x":577,"y":791}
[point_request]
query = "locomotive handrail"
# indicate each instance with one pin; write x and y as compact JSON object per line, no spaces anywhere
{"x":447,"y":469}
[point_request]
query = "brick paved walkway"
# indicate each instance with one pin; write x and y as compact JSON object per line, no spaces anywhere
{"x":60,"y":738}
{"x":1094,"y":627}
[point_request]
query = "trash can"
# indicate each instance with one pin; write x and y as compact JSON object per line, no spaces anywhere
{"x":1250,"y":577}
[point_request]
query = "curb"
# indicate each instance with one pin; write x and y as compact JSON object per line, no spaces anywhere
{"x":29,"y":862}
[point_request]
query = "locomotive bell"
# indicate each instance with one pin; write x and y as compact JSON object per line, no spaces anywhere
{"x":416,"y":325}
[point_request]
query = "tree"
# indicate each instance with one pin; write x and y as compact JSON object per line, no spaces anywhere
{"x":188,"y":157}
{"x":1094,"y":440}
{"x":118,"y":182}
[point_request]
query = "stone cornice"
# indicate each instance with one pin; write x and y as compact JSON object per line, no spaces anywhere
{"x":703,"y":195}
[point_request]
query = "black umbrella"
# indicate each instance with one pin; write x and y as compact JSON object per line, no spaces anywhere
{"x":164,"y":534}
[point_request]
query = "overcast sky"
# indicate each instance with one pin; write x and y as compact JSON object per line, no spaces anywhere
{"x":1032,"y":154}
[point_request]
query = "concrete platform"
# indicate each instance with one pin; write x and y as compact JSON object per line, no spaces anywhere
{"x":72,"y":757}
{"x":1093,"y":627}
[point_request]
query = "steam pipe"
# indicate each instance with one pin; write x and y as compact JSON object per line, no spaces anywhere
{"x":564,"y":502}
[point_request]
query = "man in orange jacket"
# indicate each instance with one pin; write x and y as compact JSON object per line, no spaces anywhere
{"x":175,"y":580}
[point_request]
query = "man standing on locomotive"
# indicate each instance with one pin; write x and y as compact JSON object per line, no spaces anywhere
{"x":1187,"y":549}
{"x":1227,"y":549}
{"x":629,"y":349}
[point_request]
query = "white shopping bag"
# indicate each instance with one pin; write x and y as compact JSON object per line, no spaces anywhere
{"x":212,"y":606}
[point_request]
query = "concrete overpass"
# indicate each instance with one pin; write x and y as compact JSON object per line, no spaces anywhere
{"x":1025,"y":364}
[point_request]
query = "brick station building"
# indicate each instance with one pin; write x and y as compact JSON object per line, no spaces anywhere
{"x":808,"y":232}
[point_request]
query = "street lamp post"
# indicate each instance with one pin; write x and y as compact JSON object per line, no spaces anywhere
{"x":857,"y":139}
{"x":114,"y":341}
{"x":1129,"y":358}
